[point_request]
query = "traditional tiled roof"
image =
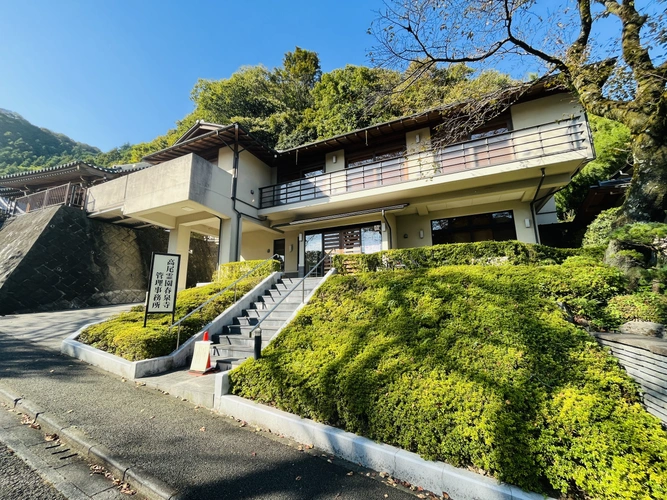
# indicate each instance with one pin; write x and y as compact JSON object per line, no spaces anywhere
{"x":68,"y":172}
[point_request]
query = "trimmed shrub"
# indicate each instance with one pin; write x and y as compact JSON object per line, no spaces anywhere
{"x":475,"y":366}
{"x":124,"y":335}
{"x":483,"y":252}
{"x":598,"y":231}
{"x":647,"y":306}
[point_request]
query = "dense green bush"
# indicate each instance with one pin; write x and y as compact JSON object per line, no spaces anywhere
{"x":483,"y":252}
{"x":598,"y":231}
{"x":475,"y":366}
{"x":124,"y":335}
{"x":647,"y":306}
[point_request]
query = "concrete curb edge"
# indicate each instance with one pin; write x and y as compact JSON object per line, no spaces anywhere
{"x":145,"y":483}
{"x":437,"y":477}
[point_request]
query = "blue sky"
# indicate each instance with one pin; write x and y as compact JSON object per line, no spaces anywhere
{"x":106,"y":73}
{"x":110,"y":72}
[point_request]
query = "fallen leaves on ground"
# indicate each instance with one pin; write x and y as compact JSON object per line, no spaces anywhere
{"x":51,"y":437}
{"x":203,"y":429}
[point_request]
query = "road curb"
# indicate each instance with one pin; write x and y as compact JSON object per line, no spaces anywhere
{"x":144,"y":482}
{"x":438,"y":477}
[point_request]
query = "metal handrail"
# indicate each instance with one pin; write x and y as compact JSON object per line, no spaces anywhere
{"x":178,"y":323}
{"x":303,"y":293}
{"x":530,"y":142}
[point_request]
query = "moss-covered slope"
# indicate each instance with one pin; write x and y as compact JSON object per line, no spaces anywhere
{"x":473,"y":365}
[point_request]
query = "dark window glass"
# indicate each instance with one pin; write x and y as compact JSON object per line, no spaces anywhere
{"x":498,"y":226}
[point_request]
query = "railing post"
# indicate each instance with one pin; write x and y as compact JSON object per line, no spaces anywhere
{"x":66,"y":201}
{"x":46,"y":199}
{"x":258,"y":343}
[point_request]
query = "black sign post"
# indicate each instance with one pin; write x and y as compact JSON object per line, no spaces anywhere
{"x":163,"y":285}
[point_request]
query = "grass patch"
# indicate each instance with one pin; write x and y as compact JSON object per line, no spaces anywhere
{"x":475,"y":366}
{"x":124,"y":335}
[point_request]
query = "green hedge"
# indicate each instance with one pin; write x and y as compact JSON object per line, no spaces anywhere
{"x":483,"y":252}
{"x":475,"y":366}
{"x":646,"y":306}
{"x":124,"y":335}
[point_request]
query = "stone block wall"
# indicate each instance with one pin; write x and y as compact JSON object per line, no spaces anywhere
{"x":58,"y":258}
{"x":645,"y":360}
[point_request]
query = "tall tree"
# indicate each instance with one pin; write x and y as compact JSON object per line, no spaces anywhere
{"x":568,"y":36}
{"x":350,"y":98}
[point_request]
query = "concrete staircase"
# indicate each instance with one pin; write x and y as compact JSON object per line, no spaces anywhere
{"x":236,"y":344}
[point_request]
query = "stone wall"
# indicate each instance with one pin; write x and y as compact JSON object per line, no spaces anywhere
{"x":203,"y":261}
{"x":58,"y":258}
{"x":645,"y":360}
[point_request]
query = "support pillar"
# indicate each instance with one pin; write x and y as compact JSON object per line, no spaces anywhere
{"x":179,"y":242}
{"x":301,"y":243}
{"x":230,"y":230}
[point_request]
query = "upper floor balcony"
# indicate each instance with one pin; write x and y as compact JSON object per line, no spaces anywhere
{"x":550,"y":143}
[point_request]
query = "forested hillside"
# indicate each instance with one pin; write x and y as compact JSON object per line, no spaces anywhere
{"x":24,"y":146}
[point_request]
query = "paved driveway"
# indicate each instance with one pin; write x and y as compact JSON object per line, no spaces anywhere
{"x":50,"y":328}
{"x":198,"y":452}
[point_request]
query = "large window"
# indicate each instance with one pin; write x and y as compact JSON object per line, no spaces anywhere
{"x":347,"y":240}
{"x":496,"y":226}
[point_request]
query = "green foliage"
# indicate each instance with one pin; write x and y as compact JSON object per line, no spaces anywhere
{"x":351,"y":97}
{"x":647,"y":234}
{"x":598,"y":231}
{"x":125,"y":336}
{"x":612,"y":148}
{"x":647,"y":306}
{"x":284,"y":107}
{"x":483,"y":252}
{"x":475,"y":366}
{"x":24,"y":146}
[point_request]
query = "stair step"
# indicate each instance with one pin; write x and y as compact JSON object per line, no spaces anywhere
{"x":276,"y":296}
{"x":224,"y":364}
{"x":267,"y":323}
{"x":239,"y":341}
{"x":267,"y":306}
{"x":232,"y":352}
{"x":264,"y":313}
{"x":245,"y":330}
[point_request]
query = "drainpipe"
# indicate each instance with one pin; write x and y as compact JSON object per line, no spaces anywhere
{"x":234,"y":184}
{"x":388,"y":226}
{"x":532,"y":207}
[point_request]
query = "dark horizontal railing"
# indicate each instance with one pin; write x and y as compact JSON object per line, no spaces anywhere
{"x":552,"y":138}
{"x":68,"y":194}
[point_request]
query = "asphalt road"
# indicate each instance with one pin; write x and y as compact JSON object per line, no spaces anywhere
{"x":18,"y":481}
{"x":202,"y":454}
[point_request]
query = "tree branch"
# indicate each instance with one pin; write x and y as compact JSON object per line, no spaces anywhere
{"x":577,"y":51}
{"x":529,"y":48}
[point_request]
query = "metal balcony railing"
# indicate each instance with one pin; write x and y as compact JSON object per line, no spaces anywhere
{"x":70,"y":194}
{"x":534,"y":142}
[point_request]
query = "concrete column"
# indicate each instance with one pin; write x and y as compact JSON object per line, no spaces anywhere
{"x":230,"y":230}
{"x":302,"y":254}
{"x":179,"y":242}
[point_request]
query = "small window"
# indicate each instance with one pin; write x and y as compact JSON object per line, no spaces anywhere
{"x":496,"y":226}
{"x":379,"y":155}
{"x":489,"y":131}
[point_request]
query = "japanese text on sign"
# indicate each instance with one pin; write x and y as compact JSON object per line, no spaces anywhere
{"x":163,"y":285}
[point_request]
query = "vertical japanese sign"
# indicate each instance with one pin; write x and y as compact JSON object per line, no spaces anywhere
{"x":163,"y":284}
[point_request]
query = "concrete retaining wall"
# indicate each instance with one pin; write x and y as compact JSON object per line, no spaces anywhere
{"x":58,"y":258}
{"x":645,"y":360}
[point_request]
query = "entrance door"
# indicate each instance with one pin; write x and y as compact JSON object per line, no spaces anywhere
{"x":348,"y":240}
{"x":279,"y":252}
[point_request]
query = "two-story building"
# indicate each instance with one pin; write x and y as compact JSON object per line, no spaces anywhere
{"x":381,"y":187}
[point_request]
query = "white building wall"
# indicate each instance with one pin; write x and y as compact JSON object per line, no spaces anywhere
{"x":545,"y":110}
{"x":408,"y":226}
